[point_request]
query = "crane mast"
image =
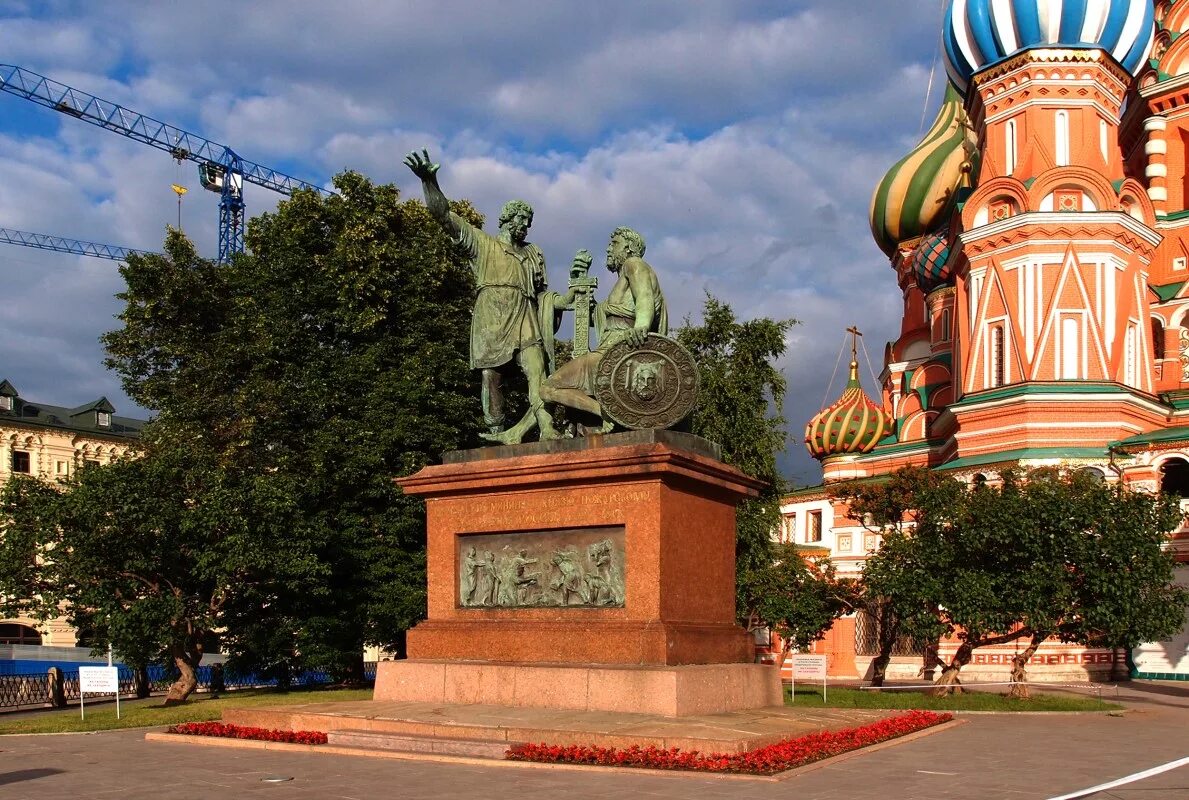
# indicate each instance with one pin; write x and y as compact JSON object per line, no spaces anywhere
{"x":220,"y":168}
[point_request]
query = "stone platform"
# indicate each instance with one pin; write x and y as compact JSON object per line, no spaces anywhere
{"x":370,"y":723}
{"x":671,"y":691}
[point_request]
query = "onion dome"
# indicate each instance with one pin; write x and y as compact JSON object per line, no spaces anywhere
{"x":918,"y":193}
{"x":929,"y":261}
{"x":854,"y":424}
{"x":978,"y":34}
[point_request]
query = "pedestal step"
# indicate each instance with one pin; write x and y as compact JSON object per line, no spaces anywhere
{"x":408,"y":743}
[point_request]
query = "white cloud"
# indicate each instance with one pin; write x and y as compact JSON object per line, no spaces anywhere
{"x":742,"y":138}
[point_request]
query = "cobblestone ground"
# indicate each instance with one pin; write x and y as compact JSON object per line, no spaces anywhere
{"x":992,"y":756}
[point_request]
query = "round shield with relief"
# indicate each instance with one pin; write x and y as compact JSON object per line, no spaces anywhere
{"x":651,"y":386}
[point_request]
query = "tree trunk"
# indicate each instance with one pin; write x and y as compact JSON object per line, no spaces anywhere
{"x":141,"y":676}
{"x":353,"y":675}
{"x":949,"y":683}
{"x":187,"y":664}
{"x":887,"y":631}
{"x":930,"y":661}
{"x":1019,"y":672}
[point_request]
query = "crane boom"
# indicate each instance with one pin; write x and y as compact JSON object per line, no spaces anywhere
{"x":61,"y":244}
{"x":181,"y":145}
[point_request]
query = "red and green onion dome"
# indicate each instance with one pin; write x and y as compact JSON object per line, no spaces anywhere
{"x":929,"y":261}
{"x":854,"y":424}
{"x":919,"y":193}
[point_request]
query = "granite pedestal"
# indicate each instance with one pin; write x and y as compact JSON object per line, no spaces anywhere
{"x":671,"y":647}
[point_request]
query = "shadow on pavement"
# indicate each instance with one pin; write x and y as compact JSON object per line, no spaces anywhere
{"x":16,"y":776}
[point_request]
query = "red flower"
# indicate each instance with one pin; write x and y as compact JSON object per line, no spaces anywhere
{"x":244,"y":732}
{"x":762,"y":761}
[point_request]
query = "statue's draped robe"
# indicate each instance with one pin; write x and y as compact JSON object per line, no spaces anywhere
{"x":507,"y":277}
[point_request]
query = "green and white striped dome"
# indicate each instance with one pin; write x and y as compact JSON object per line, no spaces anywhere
{"x":918,"y":193}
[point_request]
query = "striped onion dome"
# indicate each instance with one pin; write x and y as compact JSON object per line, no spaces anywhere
{"x":977,"y":34}
{"x":854,"y":424}
{"x":929,"y":261}
{"x":917,"y":194}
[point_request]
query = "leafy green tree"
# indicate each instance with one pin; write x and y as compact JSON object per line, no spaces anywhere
{"x":898,"y":588}
{"x":325,"y":362}
{"x":1041,"y":555}
{"x":796,"y":598}
{"x":147,"y":551}
{"x":740,"y":405}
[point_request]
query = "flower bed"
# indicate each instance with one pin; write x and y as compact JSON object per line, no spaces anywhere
{"x":243,"y":732}
{"x":762,"y":761}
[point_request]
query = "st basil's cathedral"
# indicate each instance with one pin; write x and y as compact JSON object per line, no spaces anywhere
{"x":1039,"y":235}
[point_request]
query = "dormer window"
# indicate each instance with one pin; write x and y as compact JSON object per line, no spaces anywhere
{"x":103,"y":419}
{"x":5,"y":403}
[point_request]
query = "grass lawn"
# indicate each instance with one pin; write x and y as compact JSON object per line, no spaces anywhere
{"x":149,"y":712}
{"x":810,"y":696}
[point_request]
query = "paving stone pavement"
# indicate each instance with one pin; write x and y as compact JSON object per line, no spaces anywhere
{"x":992,"y":756}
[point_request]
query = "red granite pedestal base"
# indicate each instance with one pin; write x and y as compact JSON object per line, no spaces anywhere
{"x":668,"y":499}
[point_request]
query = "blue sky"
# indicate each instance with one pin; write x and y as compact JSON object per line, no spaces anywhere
{"x":742,"y":138}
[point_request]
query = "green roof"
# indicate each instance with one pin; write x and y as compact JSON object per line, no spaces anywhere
{"x":1053,"y":387}
{"x":1167,"y":291}
{"x":1180,"y":432}
{"x":1024,"y":454}
{"x":81,"y":419}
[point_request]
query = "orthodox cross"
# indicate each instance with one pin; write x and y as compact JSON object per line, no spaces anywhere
{"x":855,"y":333}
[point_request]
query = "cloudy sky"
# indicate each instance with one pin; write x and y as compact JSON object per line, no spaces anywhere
{"x":742,"y":138}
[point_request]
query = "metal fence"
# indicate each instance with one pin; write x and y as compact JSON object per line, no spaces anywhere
{"x":36,"y":688}
{"x":867,"y":638}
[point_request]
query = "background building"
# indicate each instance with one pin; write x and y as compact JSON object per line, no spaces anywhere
{"x":50,"y":442}
{"x":1039,"y":237}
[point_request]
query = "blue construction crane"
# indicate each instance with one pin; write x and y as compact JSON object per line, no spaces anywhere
{"x":220,"y":169}
{"x":60,"y":244}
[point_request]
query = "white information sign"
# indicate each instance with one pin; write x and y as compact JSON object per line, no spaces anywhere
{"x":809,"y":666}
{"x":98,"y":680}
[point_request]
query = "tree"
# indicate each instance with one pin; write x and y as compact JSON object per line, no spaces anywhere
{"x":795,"y":598}
{"x":740,"y":404}
{"x":147,"y":551}
{"x":1041,"y":555}
{"x":898,"y":587}
{"x":309,"y":373}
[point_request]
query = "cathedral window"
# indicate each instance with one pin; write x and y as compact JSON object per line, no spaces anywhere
{"x":1062,"y":125}
{"x":943,"y":326}
{"x":1130,"y":361}
{"x":1009,"y":133}
{"x":998,"y":359}
{"x":1070,"y":349}
{"x":813,"y":531}
{"x":1157,"y":339}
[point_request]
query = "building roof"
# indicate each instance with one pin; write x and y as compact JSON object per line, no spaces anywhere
{"x":79,"y":419}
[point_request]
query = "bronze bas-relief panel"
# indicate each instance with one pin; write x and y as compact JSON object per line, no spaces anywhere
{"x":571,"y":568}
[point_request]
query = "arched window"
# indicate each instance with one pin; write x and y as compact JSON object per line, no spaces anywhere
{"x":979,"y":481}
{"x":998,"y":357}
{"x":1009,"y":135}
{"x":1062,"y":151}
{"x":1174,"y":477}
{"x":13,"y":633}
{"x":1157,"y":339}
